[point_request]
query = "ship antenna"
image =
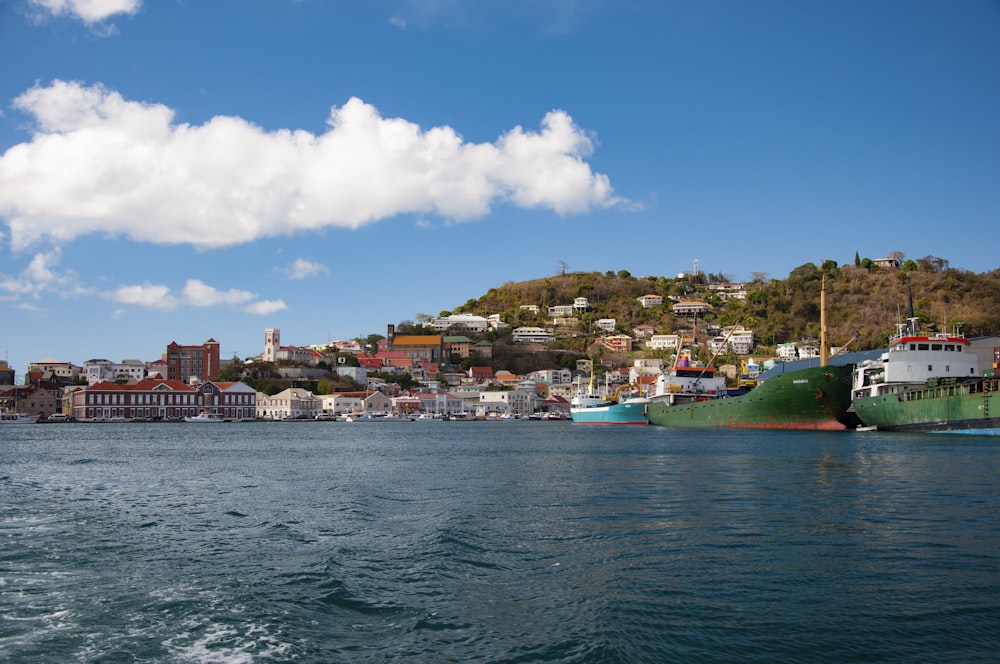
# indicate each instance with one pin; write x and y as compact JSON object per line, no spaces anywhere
{"x":913,"y":319}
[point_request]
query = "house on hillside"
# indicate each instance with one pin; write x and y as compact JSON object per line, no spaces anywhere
{"x":649,"y":301}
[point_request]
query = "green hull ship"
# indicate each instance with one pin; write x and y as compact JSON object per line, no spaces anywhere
{"x":939,"y":406}
{"x":816,"y":398}
{"x":927,"y":383}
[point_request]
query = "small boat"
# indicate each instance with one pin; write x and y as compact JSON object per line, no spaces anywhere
{"x":17,"y":418}
{"x":204,"y":417}
{"x":591,"y":407}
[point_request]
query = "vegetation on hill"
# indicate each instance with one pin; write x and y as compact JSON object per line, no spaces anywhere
{"x":863,"y":301}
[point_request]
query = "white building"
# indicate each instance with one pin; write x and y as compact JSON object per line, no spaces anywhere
{"x":663,"y":341}
{"x":808,"y":351}
{"x":494,"y":322}
{"x":341,"y":403}
{"x":606,"y":324}
{"x":503,"y":402}
{"x":581,"y":304}
{"x":460,"y":321}
{"x":786,"y":351}
{"x":441,"y":403}
{"x":561,"y":310}
{"x":551,"y":376}
{"x":531,"y":335}
{"x":293,"y":403}
{"x":127,"y":371}
{"x":648,"y":301}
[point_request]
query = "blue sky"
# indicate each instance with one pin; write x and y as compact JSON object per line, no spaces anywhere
{"x":179,"y":171}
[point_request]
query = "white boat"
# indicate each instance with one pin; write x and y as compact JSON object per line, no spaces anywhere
{"x":17,"y":418}
{"x":204,"y":417}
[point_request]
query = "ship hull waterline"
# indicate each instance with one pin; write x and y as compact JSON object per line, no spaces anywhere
{"x":815,"y":398}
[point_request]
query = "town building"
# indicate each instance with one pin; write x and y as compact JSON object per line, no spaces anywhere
{"x":192,"y":364}
{"x":513,"y":402}
{"x":156,"y":399}
{"x":38,"y":398}
{"x":421,"y":348}
{"x":365,"y":402}
{"x":7,"y":375}
{"x":128,"y":371}
{"x":467,"y":322}
{"x":294,"y":403}
{"x":62,"y":373}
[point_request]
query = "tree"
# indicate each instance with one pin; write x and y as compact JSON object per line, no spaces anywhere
{"x":561,"y":268}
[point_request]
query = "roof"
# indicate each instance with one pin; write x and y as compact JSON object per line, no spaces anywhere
{"x":417,"y":340}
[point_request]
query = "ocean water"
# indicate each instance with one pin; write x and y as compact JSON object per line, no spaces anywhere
{"x":495,"y":542}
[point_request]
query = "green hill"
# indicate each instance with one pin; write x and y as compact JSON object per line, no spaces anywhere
{"x":861,"y":299}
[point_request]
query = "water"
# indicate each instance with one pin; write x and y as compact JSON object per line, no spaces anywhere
{"x":494,"y":542}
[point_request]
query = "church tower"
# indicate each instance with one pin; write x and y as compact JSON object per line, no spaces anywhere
{"x":272,"y":342}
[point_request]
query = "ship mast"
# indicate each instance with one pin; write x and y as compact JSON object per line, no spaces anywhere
{"x":824,"y":350}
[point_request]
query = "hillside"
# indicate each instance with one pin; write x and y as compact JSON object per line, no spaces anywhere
{"x":861,"y":299}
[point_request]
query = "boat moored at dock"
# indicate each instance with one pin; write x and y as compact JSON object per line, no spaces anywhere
{"x":928,"y":383}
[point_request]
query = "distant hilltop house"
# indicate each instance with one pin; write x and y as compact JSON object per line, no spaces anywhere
{"x":531,"y":335}
{"x":606,"y":324}
{"x":887,"y":263}
{"x":691,"y":308}
{"x":648,"y":301}
{"x":561,"y":310}
{"x":727,"y":292}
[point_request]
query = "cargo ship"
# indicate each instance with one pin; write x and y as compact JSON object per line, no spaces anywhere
{"x":815,"y":398}
{"x":929,"y":383}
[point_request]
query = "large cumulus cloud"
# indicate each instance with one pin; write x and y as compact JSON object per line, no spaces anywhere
{"x":99,"y":163}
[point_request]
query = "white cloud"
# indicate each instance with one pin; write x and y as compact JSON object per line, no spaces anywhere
{"x":88,"y":11}
{"x":195,"y":293}
{"x":303,"y":269}
{"x":153,"y":296}
{"x":38,"y":277}
{"x":265,"y":307}
{"x":99,"y":163}
{"x":199,"y":294}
